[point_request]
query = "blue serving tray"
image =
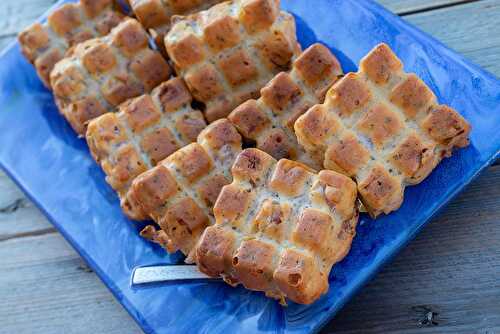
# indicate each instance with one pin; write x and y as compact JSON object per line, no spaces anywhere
{"x":42,"y":154}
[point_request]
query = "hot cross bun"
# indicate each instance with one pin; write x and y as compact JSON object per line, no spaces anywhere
{"x":146,"y":130}
{"x":227,"y":53}
{"x":384,"y":128}
{"x":156,"y":15}
{"x":179,"y":193}
{"x":269,"y":120}
{"x":279,"y":227}
{"x":99,"y":74}
{"x":44,"y":44}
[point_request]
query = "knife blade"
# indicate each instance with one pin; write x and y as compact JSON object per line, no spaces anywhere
{"x":166,"y":273}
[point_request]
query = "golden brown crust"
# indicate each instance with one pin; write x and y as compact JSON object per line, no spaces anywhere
{"x":318,"y":68}
{"x":281,"y":92}
{"x":209,"y":191}
{"x":180,"y":191}
{"x":412,"y":95}
{"x":65,"y":19}
{"x":253,"y":264}
{"x":249,"y":119}
{"x":279,"y":227}
{"x":299,"y":278}
{"x":153,"y":188}
{"x":258,"y":14}
{"x":414,"y":158}
{"x":215,"y":250}
{"x":380,"y":65}
{"x":238,"y":68}
{"x":193,"y":163}
{"x":381,"y":190}
{"x":269,"y":120}
{"x":227,"y":53}
{"x":380,"y":124}
{"x":347,"y":155}
{"x":339,"y":191}
{"x":289,"y":177}
{"x":157,"y":236}
{"x":183,"y":223}
{"x":108,"y":71}
{"x":156,"y":15}
{"x":159,"y":144}
{"x":153,"y":126}
{"x":222,"y":33}
{"x":204,"y":83}
{"x":350,"y":94}
{"x":447,"y":127}
{"x":384,"y":128}
{"x":45,"y":44}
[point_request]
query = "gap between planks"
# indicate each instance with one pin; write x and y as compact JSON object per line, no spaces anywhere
{"x":46,"y":288}
{"x":408,"y":7}
{"x":434,"y":7}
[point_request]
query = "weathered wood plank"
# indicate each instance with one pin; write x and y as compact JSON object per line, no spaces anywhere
{"x":410,"y":6}
{"x":470,"y":29}
{"x":449,"y":273}
{"x":18,"y":216}
{"x":46,"y":288}
{"x":17,"y":14}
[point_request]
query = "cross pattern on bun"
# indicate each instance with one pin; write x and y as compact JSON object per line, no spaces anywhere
{"x":44,"y":44}
{"x":269,"y":120}
{"x":146,"y":130}
{"x":179,"y":193}
{"x":99,"y":74}
{"x":156,"y":15}
{"x":384,"y":128}
{"x":279,"y":227}
{"x":227,"y":53}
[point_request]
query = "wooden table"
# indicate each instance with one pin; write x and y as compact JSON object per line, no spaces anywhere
{"x":446,"y":281}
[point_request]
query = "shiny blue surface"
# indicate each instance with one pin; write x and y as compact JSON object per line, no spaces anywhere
{"x":41,"y":153}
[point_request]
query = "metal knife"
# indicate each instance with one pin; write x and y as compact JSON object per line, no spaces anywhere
{"x":166,"y":273}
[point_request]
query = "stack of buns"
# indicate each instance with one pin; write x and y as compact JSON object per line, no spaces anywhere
{"x":248,"y":155}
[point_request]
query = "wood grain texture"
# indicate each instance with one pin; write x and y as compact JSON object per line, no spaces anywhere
{"x":18,"y":216}
{"x":471,"y":29}
{"x":445,"y":281}
{"x":17,"y":14}
{"x":46,"y":288}
{"x":410,"y":6}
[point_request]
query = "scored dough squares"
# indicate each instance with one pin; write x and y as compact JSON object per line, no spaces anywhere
{"x":384,"y":128}
{"x":156,"y":15}
{"x":179,"y":193}
{"x":146,"y":130}
{"x":99,"y":74}
{"x":269,"y":120}
{"x":227,"y":53}
{"x":279,"y":227}
{"x":44,"y":44}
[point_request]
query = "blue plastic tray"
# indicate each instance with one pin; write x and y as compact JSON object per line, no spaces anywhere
{"x":41,"y":153}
